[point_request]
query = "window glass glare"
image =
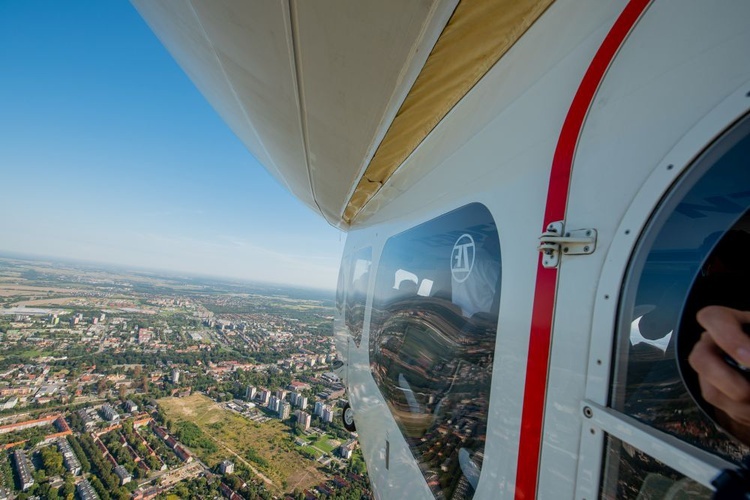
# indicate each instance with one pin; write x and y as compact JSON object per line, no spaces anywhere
{"x":432,"y":342}
{"x":356,"y":293}
{"x":629,"y":474}
{"x":681,"y":265}
{"x":341,"y":284}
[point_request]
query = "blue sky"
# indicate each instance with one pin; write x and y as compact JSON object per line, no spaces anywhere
{"x":108,"y":153}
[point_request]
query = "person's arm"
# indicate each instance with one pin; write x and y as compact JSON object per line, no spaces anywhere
{"x":722,"y":385}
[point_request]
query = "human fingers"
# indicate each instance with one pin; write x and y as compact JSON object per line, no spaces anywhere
{"x":707,"y":359}
{"x":738,"y":412}
{"x":724,"y":325}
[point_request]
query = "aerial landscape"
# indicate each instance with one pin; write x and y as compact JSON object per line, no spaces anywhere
{"x":335,"y":250}
{"x":129,"y":384}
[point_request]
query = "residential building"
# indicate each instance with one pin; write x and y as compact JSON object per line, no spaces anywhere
{"x":327,"y":414}
{"x":71,"y":462}
{"x":109,"y":414}
{"x":10,"y":403}
{"x":27,"y":424}
{"x":330,"y":377}
{"x":250,"y":393}
{"x":297,"y":399}
{"x":123,"y":474}
{"x":274,"y":404}
{"x":88,"y":422}
{"x":298,"y":386}
{"x":85,"y":491}
{"x":285,"y":410}
{"x":226,"y":467}
{"x":144,"y":336}
{"x":303,"y":420}
{"x":23,"y":470}
{"x":183,"y":454}
{"x":346,"y":449}
{"x":265,"y":396}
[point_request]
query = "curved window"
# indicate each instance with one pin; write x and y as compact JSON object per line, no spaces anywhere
{"x":341,"y":284}
{"x":356,"y":292}
{"x":630,"y":473}
{"x":432,"y":341}
{"x":689,"y":256}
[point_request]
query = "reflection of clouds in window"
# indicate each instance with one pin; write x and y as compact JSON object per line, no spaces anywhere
{"x":636,"y":337}
{"x":356,"y":295}
{"x":402,"y":276}
{"x":425,"y":288}
{"x":360,"y":268}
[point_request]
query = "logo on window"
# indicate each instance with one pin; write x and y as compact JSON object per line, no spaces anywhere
{"x":462,"y":258}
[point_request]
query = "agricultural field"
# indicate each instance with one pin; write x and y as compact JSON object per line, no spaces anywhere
{"x":267,"y":449}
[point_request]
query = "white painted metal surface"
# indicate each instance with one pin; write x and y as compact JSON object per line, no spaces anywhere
{"x":679,"y":63}
{"x":502,"y":161}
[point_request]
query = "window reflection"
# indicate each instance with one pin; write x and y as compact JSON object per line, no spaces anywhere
{"x":632,"y":474}
{"x":356,"y":293}
{"x":432,"y":342}
{"x":672,"y":258}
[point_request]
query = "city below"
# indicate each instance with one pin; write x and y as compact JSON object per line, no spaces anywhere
{"x":124,"y":384}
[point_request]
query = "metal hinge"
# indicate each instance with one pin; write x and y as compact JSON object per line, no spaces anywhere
{"x":556,"y":240}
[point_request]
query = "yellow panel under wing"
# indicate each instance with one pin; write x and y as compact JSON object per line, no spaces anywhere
{"x":475,"y":38}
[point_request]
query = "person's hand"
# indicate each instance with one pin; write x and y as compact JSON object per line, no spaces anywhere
{"x":722,"y":385}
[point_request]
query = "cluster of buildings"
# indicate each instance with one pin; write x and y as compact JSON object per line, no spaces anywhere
{"x":181,"y":452}
{"x":328,"y":488}
{"x":31,"y":383}
{"x":282,"y":401}
{"x":324,"y":411}
{"x":280,"y":407}
{"x":58,"y":332}
{"x":299,"y":400}
{"x":276,"y":402}
{"x":303,"y":419}
{"x":77,"y":319}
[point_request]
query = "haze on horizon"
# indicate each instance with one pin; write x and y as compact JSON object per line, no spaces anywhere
{"x":110,"y":155}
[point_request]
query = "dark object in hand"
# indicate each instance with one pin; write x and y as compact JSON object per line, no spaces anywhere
{"x":744,"y":370}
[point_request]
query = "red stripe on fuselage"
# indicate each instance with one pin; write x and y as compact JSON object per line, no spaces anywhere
{"x":540,"y":336}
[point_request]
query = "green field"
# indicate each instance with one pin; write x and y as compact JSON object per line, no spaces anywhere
{"x":326,"y":443}
{"x":267,"y":447}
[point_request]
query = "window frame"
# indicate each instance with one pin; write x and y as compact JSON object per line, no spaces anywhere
{"x":598,"y":419}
